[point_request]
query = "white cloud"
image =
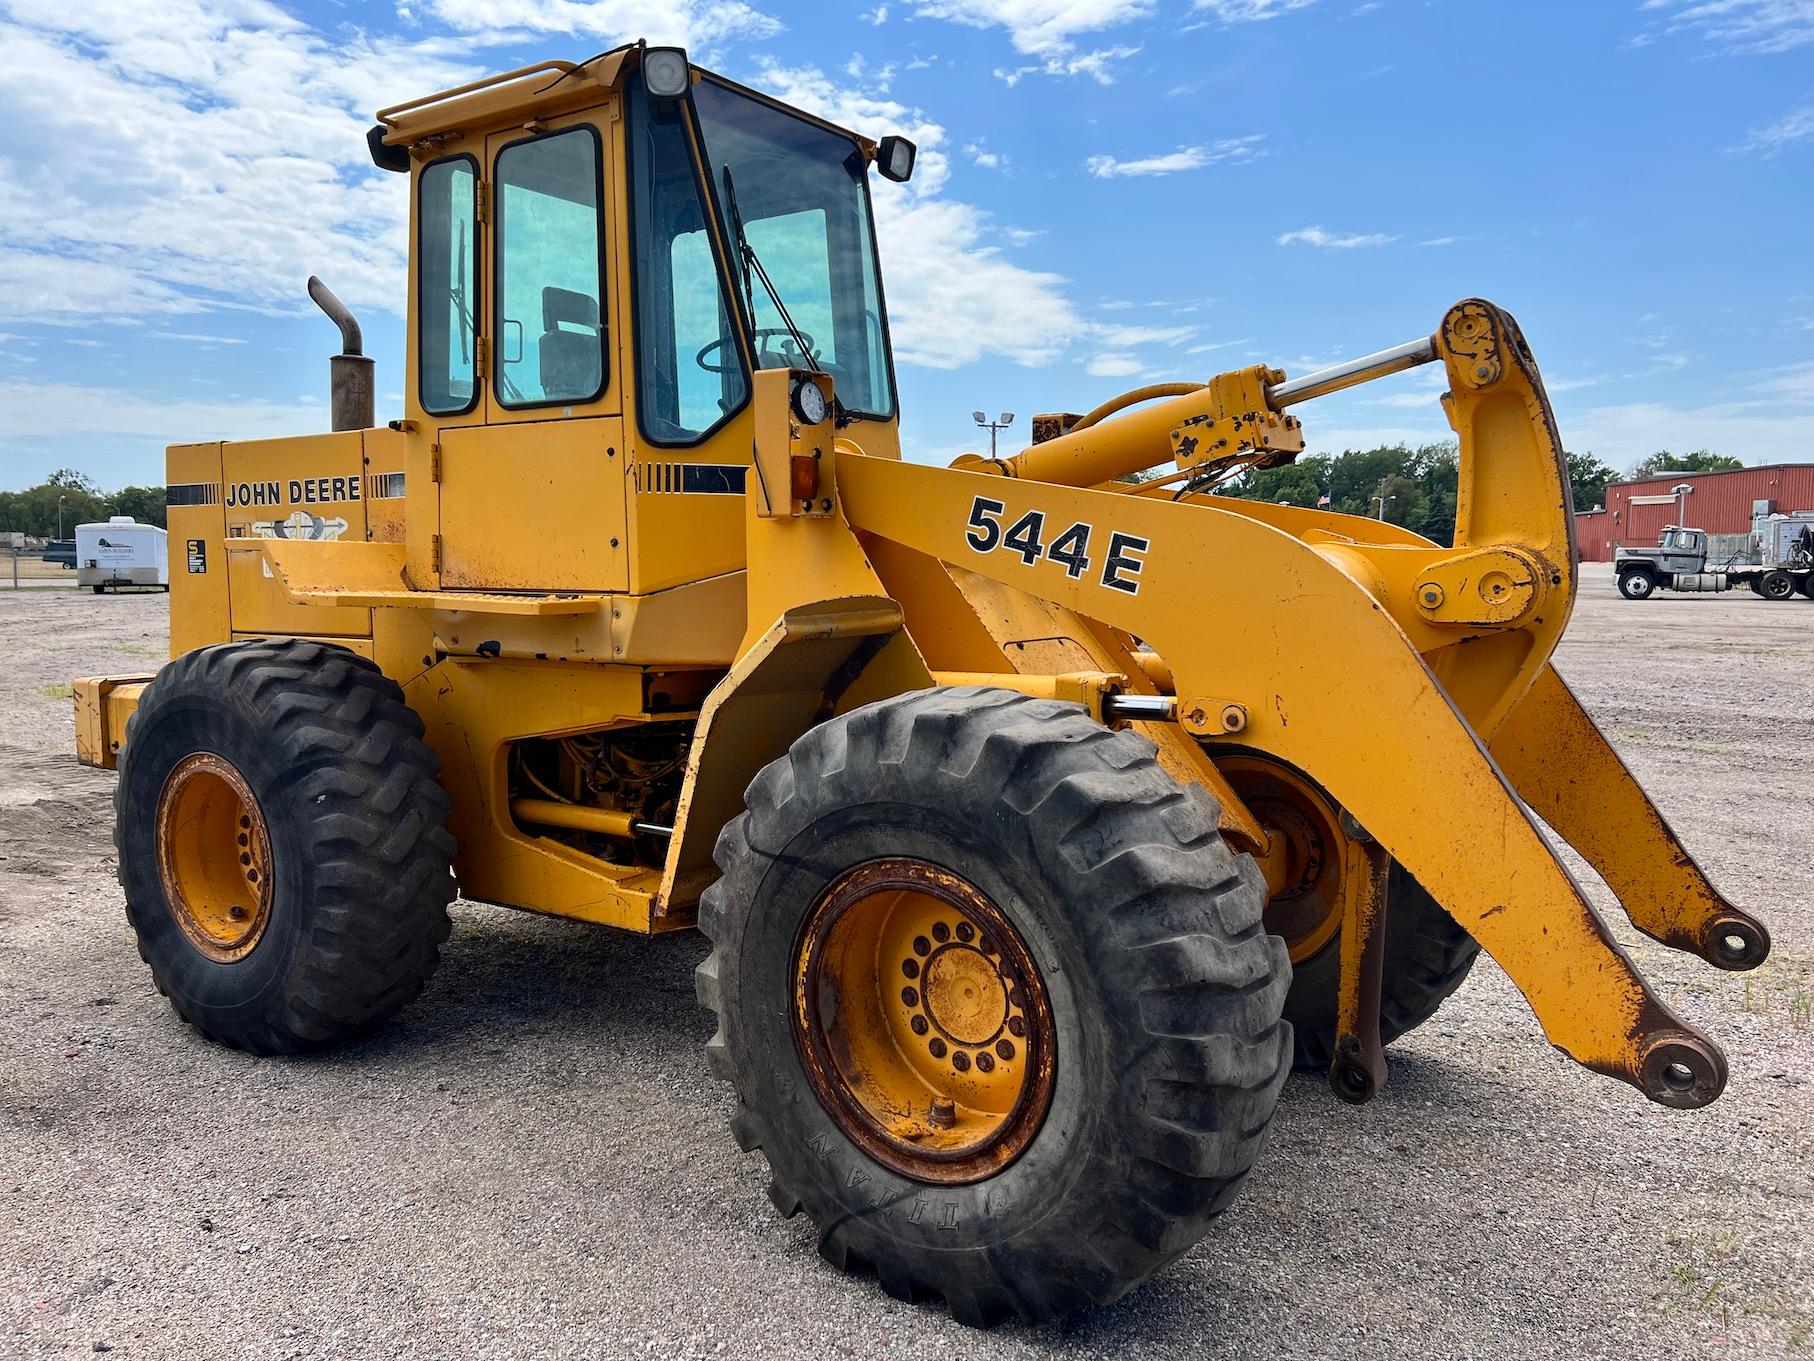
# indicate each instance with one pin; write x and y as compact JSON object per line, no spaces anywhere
{"x":1796,"y":127}
{"x":51,"y":410}
{"x":1037,"y":27}
{"x":1112,"y":365}
{"x":1122,"y":336}
{"x":1020,"y":236}
{"x":1219,"y":345}
{"x":196,"y":155}
{"x":877,"y":16}
{"x":1094,"y":64}
{"x":1735,"y":27}
{"x":984,"y":158}
{"x":1250,"y":11}
{"x":1233,"y":150}
{"x":688,"y":23}
{"x":877,"y":78}
{"x":1316,"y":236}
{"x":1438,"y":241}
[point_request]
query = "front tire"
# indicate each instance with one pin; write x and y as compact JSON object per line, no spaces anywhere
{"x":282,"y":843}
{"x":1638,"y":585}
{"x":1149,"y":991}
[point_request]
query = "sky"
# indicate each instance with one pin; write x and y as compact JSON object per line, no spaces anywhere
{"x":1109,"y":192}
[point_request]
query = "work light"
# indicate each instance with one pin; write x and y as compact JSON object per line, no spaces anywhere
{"x":665,"y":73}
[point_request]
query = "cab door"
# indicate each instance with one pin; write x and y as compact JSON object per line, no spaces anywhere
{"x":532,"y":498}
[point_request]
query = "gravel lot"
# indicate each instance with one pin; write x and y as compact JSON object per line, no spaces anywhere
{"x":534,"y":1160}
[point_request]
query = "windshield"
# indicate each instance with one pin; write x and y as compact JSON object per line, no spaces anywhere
{"x":803,"y":207}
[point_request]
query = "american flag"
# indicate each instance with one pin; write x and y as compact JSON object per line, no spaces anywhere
{"x":1323,"y":500}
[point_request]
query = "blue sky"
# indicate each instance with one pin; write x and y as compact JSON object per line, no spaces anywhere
{"x":1110,"y":192}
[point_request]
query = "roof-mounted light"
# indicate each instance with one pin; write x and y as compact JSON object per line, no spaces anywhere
{"x":894,"y":158}
{"x":665,"y":73}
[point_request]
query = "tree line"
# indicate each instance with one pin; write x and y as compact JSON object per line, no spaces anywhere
{"x":1410,"y":487}
{"x":35,"y":510}
{"x":1416,"y":488}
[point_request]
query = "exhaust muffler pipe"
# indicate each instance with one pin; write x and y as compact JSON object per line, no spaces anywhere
{"x":350,"y":401}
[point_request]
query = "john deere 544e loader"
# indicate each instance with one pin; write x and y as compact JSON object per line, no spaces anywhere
{"x":1039,"y":820}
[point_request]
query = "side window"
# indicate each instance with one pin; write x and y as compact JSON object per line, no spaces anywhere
{"x":447,"y":284}
{"x":550,"y":331}
{"x":689,"y":366}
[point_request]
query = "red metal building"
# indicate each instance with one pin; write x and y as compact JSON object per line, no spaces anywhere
{"x":1720,"y":503}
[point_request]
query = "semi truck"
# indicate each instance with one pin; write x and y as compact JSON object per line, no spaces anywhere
{"x":1679,"y":562}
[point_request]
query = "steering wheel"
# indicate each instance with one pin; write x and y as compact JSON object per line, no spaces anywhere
{"x":761,"y":333}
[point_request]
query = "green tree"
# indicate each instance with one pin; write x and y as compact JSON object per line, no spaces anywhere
{"x":144,"y":504}
{"x":68,"y":480}
{"x":1700,"y":461}
{"x":1589,"y":478}
{"x":69,"y":498}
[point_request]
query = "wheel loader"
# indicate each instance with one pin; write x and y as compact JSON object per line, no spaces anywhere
{"x":1041,"y":818}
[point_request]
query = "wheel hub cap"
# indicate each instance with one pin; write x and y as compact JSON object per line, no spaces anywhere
{"x":922,"y":1021}
{"x":214,"y":856}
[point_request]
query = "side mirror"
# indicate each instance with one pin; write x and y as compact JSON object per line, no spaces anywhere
{"x":894,"y":158}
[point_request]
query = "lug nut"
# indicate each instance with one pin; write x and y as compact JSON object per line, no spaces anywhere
{"x":944,"y":1112}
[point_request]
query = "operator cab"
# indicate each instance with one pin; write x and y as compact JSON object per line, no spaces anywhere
{"x":1675,"y":539}
{"x":609,"y":253}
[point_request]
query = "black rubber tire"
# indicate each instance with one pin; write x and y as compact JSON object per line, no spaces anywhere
{"x":361,"y":855}
{"x":1807,"y":585}
{"x":1777,"y":586}
{"x":1428,"y":956}
{"x":1165,"y":992}
{"x":99,"y":590}
{"x":1639,"y":585}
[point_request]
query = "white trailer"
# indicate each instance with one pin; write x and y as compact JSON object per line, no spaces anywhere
{"x":122,"y":552}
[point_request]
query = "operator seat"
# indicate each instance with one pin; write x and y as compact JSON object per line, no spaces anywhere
{"x":571,"y":359}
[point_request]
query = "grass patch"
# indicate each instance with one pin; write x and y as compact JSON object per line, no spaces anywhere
{"x":59,"y":691}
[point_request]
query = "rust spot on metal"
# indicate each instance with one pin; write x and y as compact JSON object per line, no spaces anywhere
{"x":922,"y":1077}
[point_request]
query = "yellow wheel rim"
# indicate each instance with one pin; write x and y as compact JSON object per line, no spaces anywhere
{"x":922,"y":1021}
{"x":1305,"y":851}
{"x":214,"y":857}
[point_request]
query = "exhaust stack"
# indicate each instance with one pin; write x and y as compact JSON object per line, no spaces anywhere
{"x":350,"y":372}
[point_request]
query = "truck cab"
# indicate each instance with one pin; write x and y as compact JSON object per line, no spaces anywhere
{"x":1679,"y":552}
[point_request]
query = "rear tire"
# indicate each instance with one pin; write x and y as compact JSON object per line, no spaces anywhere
{"x":1160,"y":987}
{"x":1807,"y":585}
{"x":1637,"y":585}
{"x":1428,"y":956}
{"x":1777,"y":586}
{"x":325,"y":913}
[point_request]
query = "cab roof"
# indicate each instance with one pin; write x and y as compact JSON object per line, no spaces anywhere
{"x":513,"y":98}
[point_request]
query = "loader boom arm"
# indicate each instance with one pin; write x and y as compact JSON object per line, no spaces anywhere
{"x":1382,"y":667}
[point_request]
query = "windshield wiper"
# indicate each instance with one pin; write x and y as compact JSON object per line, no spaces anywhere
{"x":752,"y":264}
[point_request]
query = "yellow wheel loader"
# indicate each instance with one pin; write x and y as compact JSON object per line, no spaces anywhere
{"x":1040,"y":817}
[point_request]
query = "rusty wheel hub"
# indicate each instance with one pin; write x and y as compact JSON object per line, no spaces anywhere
{"x":214,"y":857}
{"x":922,"y":1021}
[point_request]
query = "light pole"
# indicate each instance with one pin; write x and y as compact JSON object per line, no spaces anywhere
{"x":59,"y":516}
{"x":1381,"y":498}
{"x":1007,"y":419}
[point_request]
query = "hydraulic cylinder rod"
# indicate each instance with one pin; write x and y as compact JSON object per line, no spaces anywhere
{"x":1352,"y":372}
{"x":1141,"y":438}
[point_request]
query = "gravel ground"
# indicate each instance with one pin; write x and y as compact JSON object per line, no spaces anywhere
{"x":534,"y":1161}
